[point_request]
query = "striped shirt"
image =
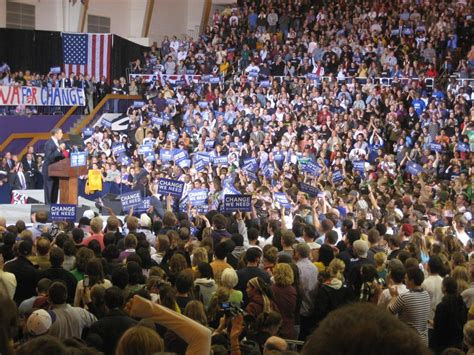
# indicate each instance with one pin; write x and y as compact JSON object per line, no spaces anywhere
{"x":413,"y":308}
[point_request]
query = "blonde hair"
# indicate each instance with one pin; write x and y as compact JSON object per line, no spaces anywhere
{"x":380,"y":258}
{"x":97,"y":224}
{"x":195,"y":310}
{"x":200,"y":256}
{"x":139,"y":340}
{"x":461,"y":275}
{"x":283,"y":274}
{"x":336,"y":269}
{"x":229,"y":278}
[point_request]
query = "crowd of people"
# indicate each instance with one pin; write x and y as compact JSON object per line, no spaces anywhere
{"x":335,"y":118}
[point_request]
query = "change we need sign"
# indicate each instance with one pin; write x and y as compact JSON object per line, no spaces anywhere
{"x":170,"y":187}
{"x":131,"y":199}
{"x":62,"y":212}
{"x":198,"y":197}
{"x":233,"y":203}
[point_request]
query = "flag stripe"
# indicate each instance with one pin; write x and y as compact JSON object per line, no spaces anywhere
{"x":88,"y":54}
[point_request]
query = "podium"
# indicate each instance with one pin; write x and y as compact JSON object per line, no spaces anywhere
{"x":67,"y":179}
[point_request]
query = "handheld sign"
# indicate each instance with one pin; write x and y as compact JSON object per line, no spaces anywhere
{"x":78,"y":159}
{"x":166,"y":155}
{"x":337,"y":176}
{"x":436,"y":147}
{"x":359,"y":166}
{"x":309,"y":189}
{"x":414,"y":168}
{"x":198,"y":197}
{"x":170,"y":187}
{"x":62,"y":212}
{"x":312,"y":168}
{"x":233,"y":203}
{"x":131,"y":199}
{"x":463,"y":147}
{"x":282,"y":200}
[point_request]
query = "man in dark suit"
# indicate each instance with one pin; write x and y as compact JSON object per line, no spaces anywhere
{"x":30,"y":168}
{"x":52,"y":153}
{"x":18,"y":180}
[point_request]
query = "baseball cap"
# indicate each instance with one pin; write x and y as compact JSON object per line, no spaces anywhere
{"x":39,"y":322}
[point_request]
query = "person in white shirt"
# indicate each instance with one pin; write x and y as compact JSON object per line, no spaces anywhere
{"x":396,"y":278}
{"x":459,"y":225}
{"x":7,"y":279}
{"x":433,"y":285}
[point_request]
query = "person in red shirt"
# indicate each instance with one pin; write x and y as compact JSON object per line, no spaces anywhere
{"x":96,"y":228}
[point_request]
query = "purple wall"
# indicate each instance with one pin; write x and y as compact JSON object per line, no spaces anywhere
{"x":30,"y":124}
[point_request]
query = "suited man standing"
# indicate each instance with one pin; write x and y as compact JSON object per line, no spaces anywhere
{"x":18,"y":179}
{"x":30,"y":169}
{"x":52,"y":152}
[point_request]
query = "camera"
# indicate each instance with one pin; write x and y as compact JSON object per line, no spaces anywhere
{"x":231,"y":309}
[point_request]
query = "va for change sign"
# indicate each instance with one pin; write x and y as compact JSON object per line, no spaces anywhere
{"x":44,"y":96}
{"x":233,"y":203}
{"x":170,"y":187}
{"x":62,"y":212}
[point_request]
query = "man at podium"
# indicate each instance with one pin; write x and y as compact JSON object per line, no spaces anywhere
{"x":53,"y":151}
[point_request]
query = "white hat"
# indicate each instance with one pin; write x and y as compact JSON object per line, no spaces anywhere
{"x":39,"y":322}
{"x":89,"y":214}
{"x":145,"y":221}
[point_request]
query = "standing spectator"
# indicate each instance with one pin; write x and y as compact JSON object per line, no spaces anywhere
{"x":413,"y":307}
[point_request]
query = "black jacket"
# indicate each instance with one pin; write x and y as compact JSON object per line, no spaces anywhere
{"x":107,"y":331}
{"x":449,"y":320}
{"x":330,"y":298}
{"x":59,"y":274}
{"x":26,"y":277}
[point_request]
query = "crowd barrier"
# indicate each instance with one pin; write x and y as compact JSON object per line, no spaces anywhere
{"x":107,"y":188}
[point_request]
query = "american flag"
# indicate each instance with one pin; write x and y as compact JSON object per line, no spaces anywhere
{"x":88,"y":54}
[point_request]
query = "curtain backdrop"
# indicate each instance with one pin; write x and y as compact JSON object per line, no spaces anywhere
{"x":27,"y":49}
{"x":40,"y":50}
{"x":123,"y":52}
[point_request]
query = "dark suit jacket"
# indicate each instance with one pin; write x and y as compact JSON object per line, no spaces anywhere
{"x":15,"y":181}
{"x":110,"y":328}
{"x":51,"y":155}
{"x":59,"y":274}
{"x":26,"y":277}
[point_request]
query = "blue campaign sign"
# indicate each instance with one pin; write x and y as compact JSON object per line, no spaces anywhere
{"x":251,"y":175}
{"x":268,"y":170}
{"x":337,"y":176}
{"x":88,"y":131}
{"x":311,"y":168}
{"x":157,"y":120}
{"x":150,"y":156}
{"x":166,"y":155}
{"x":359,"y":166}
{"x":200,"y":165}
{"x":210,"y":143}
{"x":131,"y":199}
{"x":185,"y":163}
{"x":198,"y":197}
{"x":233,"y":203}
{"x":282,"y":200}
{"x":214,"y":80}
{"x":79,"y":159}
{"x":265,"y":84}
{"x":202,"y":156}
{"x":144,"y":206}
{"x":124,"y":159}
{"x":138,"y":104}
{"x":62,"y":212}
{"x":250,"y":164}
{"x":172,"y":136}
{"x":278,"y":156}
{"x":463,"y":147}
{"x":311,"y":76}
{"x":170,"y":187}
{"x":118,"y":149}
{"x":414,"y":168}
{"x":220,"y":160}
{"x":145,"y":149}
{"x":179,"y":155}
{"x":309,"y":189}
{"x":436,"y":147}
{"x":202,"y":104}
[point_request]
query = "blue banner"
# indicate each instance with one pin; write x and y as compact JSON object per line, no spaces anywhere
{"x":337,"y":176}
{"x":200,"y":165}
{"x":179,"y":155}
{"x":436,"y":147}
{"x":124,"y":159}
{"x":414,"y":168}
{"x":309,"y":189}
{"x":118,"y":149}
{"x":311,"y":168}
{"x":202,"y":156}
{"x":185,"y":163}
{"x":209,"y":143}
{"x":131,"y":199}
{"x":463,"y":147}
{"x":62,"y":212}
{"x":359,"y":166}
{"x":87,"y":132}
{"x":198,"y":197}
{"x":145,"y":149}
{"x":170,"y":187}
{"x":166,"y":155}
{"x":233,"y":203}
{"x":79,"y":159}
{"x":220,"y":160}
{"x":250,"y":164}
{"x":282,"y":200}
